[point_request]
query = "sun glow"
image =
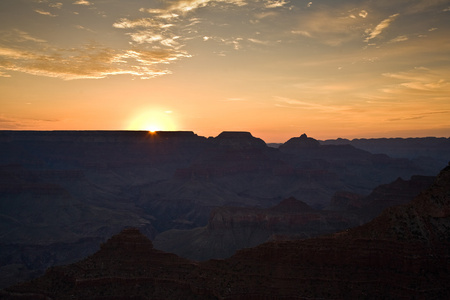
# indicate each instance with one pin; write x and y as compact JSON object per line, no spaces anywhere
{"x":152,"y":121}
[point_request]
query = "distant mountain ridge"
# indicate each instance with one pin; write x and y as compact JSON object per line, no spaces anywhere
{"x":402,"y":254}
{"x":433,"y":151}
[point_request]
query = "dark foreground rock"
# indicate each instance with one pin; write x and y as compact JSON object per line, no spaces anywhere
{"x":402,"y":254}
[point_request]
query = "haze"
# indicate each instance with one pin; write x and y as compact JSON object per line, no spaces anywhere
{"x":274,"y":68}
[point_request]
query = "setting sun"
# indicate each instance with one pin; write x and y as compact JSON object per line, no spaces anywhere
{"x":153,"y":120}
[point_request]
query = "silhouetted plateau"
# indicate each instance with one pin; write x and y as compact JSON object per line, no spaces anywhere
{"x":402,"y":254}
{"x":64,"y":192}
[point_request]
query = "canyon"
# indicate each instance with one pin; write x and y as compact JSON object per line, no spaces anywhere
{"x":403,"y":253}
{"x":64,"y":192}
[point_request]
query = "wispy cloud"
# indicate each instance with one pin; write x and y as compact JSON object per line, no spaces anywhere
{"x":373,"y":33}
{"x":4,"y":75}
{"x":275,"y":3}
{"x":301,"y":32}
{"x":191,"y":5}
{"x":24,"y":123}
{"x":18,"y":36}
{"x":82,"y":2}
{"x":260,"y":42}
{"x":332,"y":26}
{"x":45,"y":13}
{"x":363,"y":13}
{"x":294,"y":103}
{"x":419,"y":81}
{"x":138,"y":23}
{"x":84,"y":28}
{"x":401,"y":38}
{"x":57,"y":5}
{"x":417,"y":116}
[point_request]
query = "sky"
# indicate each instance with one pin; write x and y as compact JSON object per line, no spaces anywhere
{"x":276,"y":68}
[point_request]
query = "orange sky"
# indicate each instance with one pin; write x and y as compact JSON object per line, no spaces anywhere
{"x":274,"y":68}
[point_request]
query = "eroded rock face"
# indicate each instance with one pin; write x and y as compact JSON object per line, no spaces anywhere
{"x":402,"y":254}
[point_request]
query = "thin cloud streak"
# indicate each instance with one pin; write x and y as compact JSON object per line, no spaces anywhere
{"x":82,"y":2}
{"x":45,"y":13}
{"x":373,"y":33}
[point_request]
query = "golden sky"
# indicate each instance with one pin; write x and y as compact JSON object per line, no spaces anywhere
{"x":276,"y":68}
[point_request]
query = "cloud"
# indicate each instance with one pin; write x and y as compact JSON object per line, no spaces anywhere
{"x":57,"y":5}
{"x":373,"y":33}
{"x":258,"y":41}
{"x":421,"y":80}
{"x":293,"y":103}
{"x":145,"y":37}
{"x":4,"y":75}
{"x":24,"y":123}
{"x":332,"y":25}
{"x":143,"y":23}
{"x":275,"y":3}
{"x":421,"y":115}
{"x":82,"y":2}
{"x":363,"y":13}
{"x":301,"y":32}
{"x":83,"y":28}
{"x":88,"y":61}
{"x":19,"y":36}
{"x":401,"y":38}
{"x":185,"y":6}
{"x":45,"y":13}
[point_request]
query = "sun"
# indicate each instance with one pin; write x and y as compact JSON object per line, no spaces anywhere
{"x":153,"y":128}
{"x":152,"y":121}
